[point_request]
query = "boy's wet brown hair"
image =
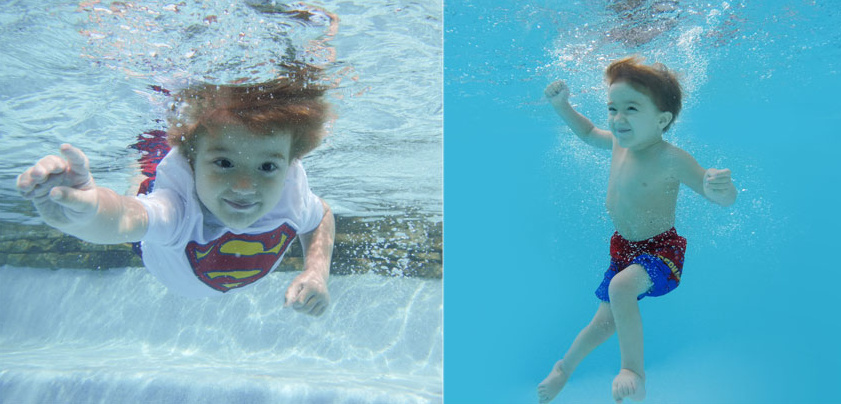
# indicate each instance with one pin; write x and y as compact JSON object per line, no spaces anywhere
{"x":293,"y":103}
{"x":655,"y":80}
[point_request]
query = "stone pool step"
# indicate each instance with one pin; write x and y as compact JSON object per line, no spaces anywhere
{"x":390,"y":245}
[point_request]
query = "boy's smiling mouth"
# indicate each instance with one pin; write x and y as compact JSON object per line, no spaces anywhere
{"x":623,"y":131}
{"x":241,"y":205}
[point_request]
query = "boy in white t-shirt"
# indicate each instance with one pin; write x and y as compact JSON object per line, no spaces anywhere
{"x":227,"y":200}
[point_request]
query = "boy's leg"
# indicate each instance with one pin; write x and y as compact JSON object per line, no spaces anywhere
{"x":623,"y":291}
{"x":601,"y":327}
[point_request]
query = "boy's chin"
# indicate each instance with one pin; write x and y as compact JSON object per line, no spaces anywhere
{"x":624,"y":142}
{"x":237,"y":223}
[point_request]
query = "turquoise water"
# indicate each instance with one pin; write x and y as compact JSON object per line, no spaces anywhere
{"x":80,"y":72}
{"x":755,"y":319}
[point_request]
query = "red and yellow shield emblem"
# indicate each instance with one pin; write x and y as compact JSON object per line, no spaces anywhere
{"x":236,"y":260}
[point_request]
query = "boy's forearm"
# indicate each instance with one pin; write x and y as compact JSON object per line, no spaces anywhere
{"x":318,"y":244}
{"x":119,"y":219}
{"x":580,"y":124}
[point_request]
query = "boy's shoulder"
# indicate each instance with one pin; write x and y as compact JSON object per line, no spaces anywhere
{"x":677,"y":163}
{"x":673,"y":152}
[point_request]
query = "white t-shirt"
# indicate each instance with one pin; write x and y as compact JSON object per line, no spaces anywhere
{"x":191,"y":252}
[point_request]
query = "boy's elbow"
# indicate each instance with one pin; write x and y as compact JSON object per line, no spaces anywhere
{"x":328,"y":220}
{"x":328,"y":212}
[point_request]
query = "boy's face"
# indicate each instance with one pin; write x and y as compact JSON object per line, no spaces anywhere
{"x":634,"y":119}
{"x":240,"y":174}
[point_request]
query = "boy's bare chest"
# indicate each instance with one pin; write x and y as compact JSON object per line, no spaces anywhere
{"x":636,"y":181}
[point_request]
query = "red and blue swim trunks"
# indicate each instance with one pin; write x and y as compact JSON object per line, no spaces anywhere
{"x":661,"y":256}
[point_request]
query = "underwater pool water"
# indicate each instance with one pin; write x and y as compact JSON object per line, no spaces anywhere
{"x":527,"y":232}
{"x":80,"y":72}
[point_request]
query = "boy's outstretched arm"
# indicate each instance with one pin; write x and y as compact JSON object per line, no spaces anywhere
{"x":558,"y":95}
{"x":714,"y":184}
{"x":308,"y":292}
{"x":65,"y":195}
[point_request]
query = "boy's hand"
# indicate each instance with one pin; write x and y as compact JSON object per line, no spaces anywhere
{"x":61,"y":189}
{"x":308,"y":294}
{"x":557,"y":92}
{"x":718,"y":186}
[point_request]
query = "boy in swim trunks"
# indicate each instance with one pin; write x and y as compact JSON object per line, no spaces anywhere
{"x":645,"y":175}
{"x":227,"y":200}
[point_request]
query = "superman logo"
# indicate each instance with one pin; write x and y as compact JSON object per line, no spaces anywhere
{"x":236,"y":260}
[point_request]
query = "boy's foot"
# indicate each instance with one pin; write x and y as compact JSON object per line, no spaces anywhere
{"x":628,"y":384}
{"x":552,"y":384}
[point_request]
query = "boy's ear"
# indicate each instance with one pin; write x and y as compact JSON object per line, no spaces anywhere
{"x":665,"y":119}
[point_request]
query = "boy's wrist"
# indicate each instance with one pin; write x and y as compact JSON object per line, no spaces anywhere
{"x":560,"y":102}
{"x":317,"y":265}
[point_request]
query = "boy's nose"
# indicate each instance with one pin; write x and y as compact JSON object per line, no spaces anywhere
{"x":243,"y":184}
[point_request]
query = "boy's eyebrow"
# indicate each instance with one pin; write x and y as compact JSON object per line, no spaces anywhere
{"x":626,"y":102}
{"x":223,"y":149}
{"x":218,"y":149}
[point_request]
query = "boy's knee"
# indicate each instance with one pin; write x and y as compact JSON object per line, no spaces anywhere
{"x":621,"y":288}
{"x":618,"y":290}
{"x":630,"y":283}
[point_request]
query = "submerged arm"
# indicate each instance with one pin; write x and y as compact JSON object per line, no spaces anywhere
{"x":308,"y":292}
{"x":714,"y":184}
{"x":318,"y":244}
{"x":558,"y":95}
{"x":65,"y":195}
{"x":118,"y":219}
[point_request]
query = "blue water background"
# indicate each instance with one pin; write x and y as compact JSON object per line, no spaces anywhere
{"x":755,"y":319}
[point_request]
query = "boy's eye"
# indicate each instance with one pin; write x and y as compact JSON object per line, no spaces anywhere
{"x":223,"y":163}
{"x":632,"y":108}
{"x":268,"y":167}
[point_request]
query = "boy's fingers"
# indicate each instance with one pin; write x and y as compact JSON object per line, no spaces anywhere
{"x":554,"y":88}
{"x":25,"y":182}
{"x":47,"y":166}
{"x":74,"y":199}
{"x":304,"y":300}
{"x":40,"y":171}
{"x":292,"y":293}
{"x":718,"y":178}
{"x":309,"y":301}
{"x":41,"y":189}
{"x":319,"y":309}
{"x":713,"y":173}
{"x":77,"y":160}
